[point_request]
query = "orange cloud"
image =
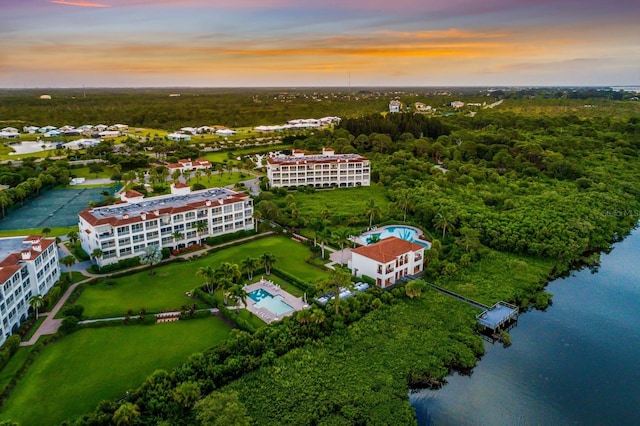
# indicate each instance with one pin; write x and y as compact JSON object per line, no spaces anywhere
{"x":79,"y":3}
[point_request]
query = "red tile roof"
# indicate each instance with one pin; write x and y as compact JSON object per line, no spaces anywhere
{"x":115,"y":221}
{"x":132,"y":193}
{"x":7,"y":272}
{"x":388,"y":249}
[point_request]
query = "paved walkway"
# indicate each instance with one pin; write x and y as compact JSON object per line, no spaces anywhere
{"x":212,"y":310}
{"x":52,"y":324}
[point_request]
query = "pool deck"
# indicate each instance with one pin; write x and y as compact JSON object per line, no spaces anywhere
{"x":361,"y":239}
{"x":266,"y":315}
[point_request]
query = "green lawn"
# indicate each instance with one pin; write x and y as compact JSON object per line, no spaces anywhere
{"x":221,"y":179}
{"x":165,"y":290}
{"x":15,"y":363}
{"x":83,"y":172}
{"x":341,"y":204}
{"x":71,"y":376}
{"x":55,"y":232}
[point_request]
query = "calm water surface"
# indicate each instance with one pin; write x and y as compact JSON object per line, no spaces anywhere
{"x":577,"y":363}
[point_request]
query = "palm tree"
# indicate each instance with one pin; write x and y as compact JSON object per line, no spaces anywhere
{"x":257,"y":215}
{"x":177,"y":236}
{"x":4,"y":201}
{"x":230,"y":270}
{"x":176,"y":175}
{"x":73,"y":237}
{"x":317,"y":316}
{"x":268,"y":260}
{"x":225,"y":284}
{"x":249,"y":265}
{"x":125,"y":414}
{"x":443,"y":221}
{"x":20,"y":192}
{"x":208,"y":172}
{"x":404,"y":202}
{"x":318,"y":226}
{"x":96,"y":254}
{"x":68,"y":261}
{"x":342,"y":237}
{"x":372,"y":210}
{"x":207,"y":273}
{"x":198,"y":175}
{"x":201,"y":227}
{"x":336,"y":280}
{"x":36,"y":301}
{"x":304,"y":316}
{"x":237,"y":294}
{"x":323,"y":238}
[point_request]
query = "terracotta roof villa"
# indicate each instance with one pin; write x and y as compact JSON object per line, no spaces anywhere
{"x":388,"y":260}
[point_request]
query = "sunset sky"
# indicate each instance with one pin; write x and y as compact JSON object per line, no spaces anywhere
{"x":118,"y":43}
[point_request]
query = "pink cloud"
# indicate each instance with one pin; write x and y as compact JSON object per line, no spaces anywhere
{"x":79,"y":3}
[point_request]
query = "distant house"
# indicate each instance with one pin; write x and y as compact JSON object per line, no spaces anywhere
{"x":119,"y":127}
{"x":203,"y":129}
{"x":46,"y":129}
{"x":10,"y":130}
{"x":457,"y":104}
{"x":180,"y":189}
{"x":100,"y":127}
{"x":394,"y":106}
{"x":52,"y":134}
{"x":81,"y":143}
{"x":190,"y":130}
{"x":188,"y":165}
{"x":178,"y":137}
{"x":30,"y":129}
{"x":109,"y":134}
{"x":225,"y":132}
{"x":388,"y":260}
{"x":45,"y":96}
{"x":9,"y":135}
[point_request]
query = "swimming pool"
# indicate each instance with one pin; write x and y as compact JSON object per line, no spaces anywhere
{"x":268,"y":301}
{"x":402,"y":232}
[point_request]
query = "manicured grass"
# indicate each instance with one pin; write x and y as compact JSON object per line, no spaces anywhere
{"x":165,"y":290}
{"x":83,"y":172}
{"x":342,"y":204}
{"x":72,"y":375}
{"x":55,"y":232}
{"x":221,"y":179}
{"x":15,"y":363}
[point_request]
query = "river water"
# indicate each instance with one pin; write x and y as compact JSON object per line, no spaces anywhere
{"x":577,"y":363}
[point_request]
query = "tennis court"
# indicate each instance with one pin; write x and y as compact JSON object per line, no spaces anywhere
{"x":58,"y":207}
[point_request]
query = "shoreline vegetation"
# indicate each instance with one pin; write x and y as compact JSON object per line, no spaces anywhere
{"x":527,"y":197}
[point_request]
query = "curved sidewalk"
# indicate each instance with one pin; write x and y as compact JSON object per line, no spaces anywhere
{"x":51,"y":324}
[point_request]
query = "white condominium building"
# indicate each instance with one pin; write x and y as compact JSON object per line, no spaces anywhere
{"x":320,"y":170}
{"x":28,"y":266}
{"x":123,"y":230}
